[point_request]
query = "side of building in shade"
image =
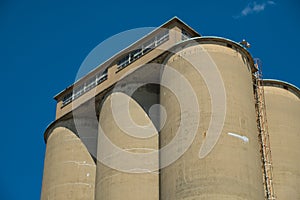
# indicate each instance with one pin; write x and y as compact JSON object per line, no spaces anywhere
{"x":233,"y":169}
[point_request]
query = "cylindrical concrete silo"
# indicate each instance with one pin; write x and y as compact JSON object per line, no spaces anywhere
{"x":122,"y":177}
{"x":283,"y":115}
{"x":69,"y":170}
{"x":232,"y":170}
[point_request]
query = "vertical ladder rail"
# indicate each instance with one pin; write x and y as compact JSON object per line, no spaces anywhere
{"x":263,"y":132}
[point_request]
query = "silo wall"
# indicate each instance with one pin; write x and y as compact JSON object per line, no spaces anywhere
{"x":283,"y":115}
{"x":120,"y":177}
{"x":69,"y":170}
{"x":232,"y":169}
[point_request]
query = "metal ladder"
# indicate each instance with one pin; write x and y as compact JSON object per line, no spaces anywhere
{"x":263,"y":132}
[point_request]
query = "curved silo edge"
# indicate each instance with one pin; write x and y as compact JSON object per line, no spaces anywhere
{"x":282,"y":84}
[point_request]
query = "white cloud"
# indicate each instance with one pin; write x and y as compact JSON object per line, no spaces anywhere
{"x":254,"y":7}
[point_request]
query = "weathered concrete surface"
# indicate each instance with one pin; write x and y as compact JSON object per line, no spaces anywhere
{"x":69,"y":170}
{"x":283,"y":115}
{"x":115,"y":184}
{"x":232,"y":170}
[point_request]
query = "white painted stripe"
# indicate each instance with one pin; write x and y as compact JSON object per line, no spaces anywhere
{"x":244,"y":138}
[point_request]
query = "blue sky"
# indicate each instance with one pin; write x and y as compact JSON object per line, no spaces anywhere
{"x":43,"y":43}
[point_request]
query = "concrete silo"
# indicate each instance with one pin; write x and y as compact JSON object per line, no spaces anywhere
{"x":69,"y":171}
{"x":121,"y":176}
{"x":232,"y":170}
{"x":283,"y":115}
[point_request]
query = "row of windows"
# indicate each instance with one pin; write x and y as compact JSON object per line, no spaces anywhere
{"x":122,"y":63}
{"x":143,"y":49}
{"x":83,"y":88}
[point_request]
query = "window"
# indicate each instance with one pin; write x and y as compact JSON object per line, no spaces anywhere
{"x":124,"y":61}
{"x":78,"y":92}
{"x":136,"y":54}
{"x":67,"y":98}
{"x":185,"y":35}
{"x":101,"y":77}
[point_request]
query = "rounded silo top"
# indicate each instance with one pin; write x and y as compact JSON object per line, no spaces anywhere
{"x":218,"y":41}
{"x":284,"y":85}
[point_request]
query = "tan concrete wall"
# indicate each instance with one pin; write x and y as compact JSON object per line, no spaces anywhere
{"x":69,"y":170}
{"x":232,"y":170}
{"x":112,"y":184}
{"x":283,"y":115}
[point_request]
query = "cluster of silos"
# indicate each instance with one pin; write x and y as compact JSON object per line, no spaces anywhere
{"x":229,"y":168}
{"x":283,"y":115}
{"x":232,"y":170}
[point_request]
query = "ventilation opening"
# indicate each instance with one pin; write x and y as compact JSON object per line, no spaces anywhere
{"x":204,"y":134}
{"x":229,"y":45}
